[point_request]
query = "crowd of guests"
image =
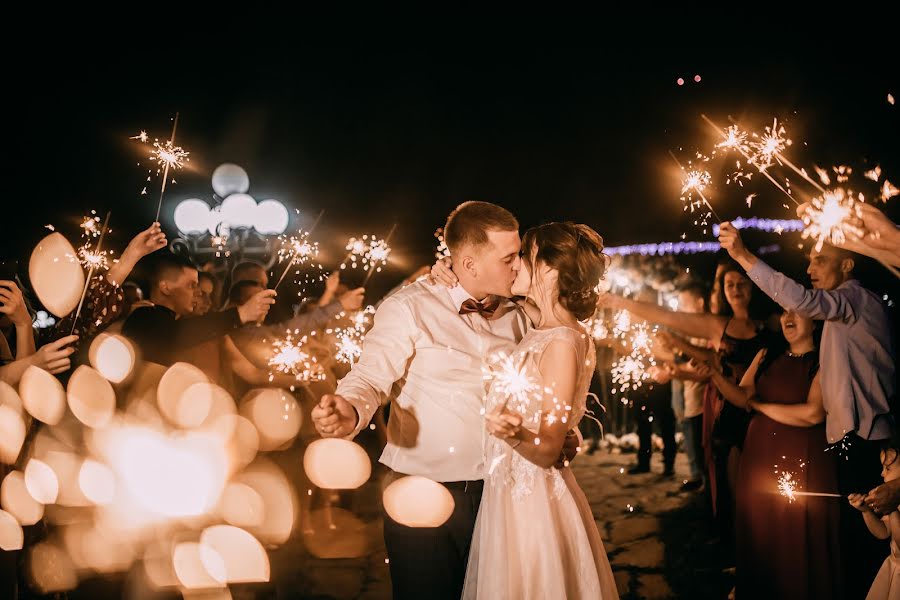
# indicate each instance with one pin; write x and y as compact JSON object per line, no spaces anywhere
{"x":809,"y":396}
{"x":809,"y":392}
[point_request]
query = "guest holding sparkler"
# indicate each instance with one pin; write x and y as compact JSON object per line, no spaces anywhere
{"x":857,"y":359}
{"x":162,"y":332}
{"x":736,"y":335}
{"x":785,"y":549}
{"x":887,"y":583}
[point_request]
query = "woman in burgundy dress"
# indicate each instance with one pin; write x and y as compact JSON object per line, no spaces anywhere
{"x":785,"y":548}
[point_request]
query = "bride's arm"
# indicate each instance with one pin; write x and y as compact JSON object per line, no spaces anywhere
{"x":558,"y":368}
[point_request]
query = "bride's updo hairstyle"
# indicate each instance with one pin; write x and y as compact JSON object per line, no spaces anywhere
{"x":576,"y":252}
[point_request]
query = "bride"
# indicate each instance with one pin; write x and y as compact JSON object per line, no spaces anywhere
{"x":535,"y":536}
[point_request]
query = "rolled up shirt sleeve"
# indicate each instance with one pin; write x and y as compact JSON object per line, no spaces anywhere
{"x":386,"y":354}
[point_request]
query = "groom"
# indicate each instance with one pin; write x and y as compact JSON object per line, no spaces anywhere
{"x":426,"y":352}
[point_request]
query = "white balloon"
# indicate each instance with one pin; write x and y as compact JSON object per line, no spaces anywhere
{"x":229,"y":178}
{"x":271,"y":217}
{"x":56,"y":275}
{"x":239,"y":210}
{"x":192,"y":216}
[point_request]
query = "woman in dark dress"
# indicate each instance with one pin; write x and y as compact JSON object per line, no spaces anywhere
{"x":786,"y":548}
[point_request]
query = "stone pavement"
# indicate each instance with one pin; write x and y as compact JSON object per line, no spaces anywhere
{"x":659,"y":540}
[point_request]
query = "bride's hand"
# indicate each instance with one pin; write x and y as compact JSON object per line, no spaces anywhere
{"x":442,"y":273}
{"x":502,"y":423}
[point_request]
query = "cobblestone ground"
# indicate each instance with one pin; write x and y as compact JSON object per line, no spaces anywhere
{"x":659,"y":540}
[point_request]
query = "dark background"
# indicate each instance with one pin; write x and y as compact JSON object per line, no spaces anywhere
{"x":382,"y":137}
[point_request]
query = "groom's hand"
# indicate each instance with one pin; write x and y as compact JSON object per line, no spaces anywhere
{"x":334,"y":416}
{"x":570,"y":450}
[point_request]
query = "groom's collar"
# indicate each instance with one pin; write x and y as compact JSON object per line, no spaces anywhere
{"x":458,"y":295}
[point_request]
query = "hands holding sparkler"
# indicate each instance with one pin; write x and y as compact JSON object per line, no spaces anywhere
{"x":257,"y":307}
{"x":731,"y":241}
{"x":353,"y":299}
{"x":146,"y":242}
{"x":504,"y":424}
{"x":334,"y":416}
{"x":871,"y":233}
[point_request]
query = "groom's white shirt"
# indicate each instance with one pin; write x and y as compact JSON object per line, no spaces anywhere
{"x":429,"y":360}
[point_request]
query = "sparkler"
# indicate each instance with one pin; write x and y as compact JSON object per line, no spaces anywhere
{"x":168,"y":156}
{"x":298,"y":248}
{"x":746,"y":154}
{"x":291,"y":358}
{"x":97,"y":255}
{"x":694,"y":182}
{"x":377,"y":256}
{"x":829,"y":216}
{"x":442,"y":250}
{"x":787,"y":487}
{"x":350,"y":339}
{"x":888,"y":191}
{"x":510,"y":378}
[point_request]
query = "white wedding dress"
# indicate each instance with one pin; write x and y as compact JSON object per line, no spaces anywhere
{"x":535,"y":536}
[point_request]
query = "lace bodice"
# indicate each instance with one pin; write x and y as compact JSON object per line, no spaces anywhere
{"x":517,"y":382}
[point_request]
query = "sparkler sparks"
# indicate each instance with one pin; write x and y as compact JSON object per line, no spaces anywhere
{"x":510,"y":378}
{"x":297,"y":250}
{"x":888,"y":191}
{"x":291,"y":358}
{"x":442,"y":250}
{"x":829,"y":216}
{"x":349,"y":340}
{"x":787,"y":485}
{"x":768,"y":146}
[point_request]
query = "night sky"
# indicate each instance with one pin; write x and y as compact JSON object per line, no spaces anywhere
{"x":377,"y":138}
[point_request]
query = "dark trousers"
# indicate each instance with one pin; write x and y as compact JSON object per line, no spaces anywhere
{"x":430,"y":562}
{"x":859,"y":471}
{"x":653,"y":406}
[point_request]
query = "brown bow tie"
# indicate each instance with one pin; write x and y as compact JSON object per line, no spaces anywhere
{"x":486,"y":310}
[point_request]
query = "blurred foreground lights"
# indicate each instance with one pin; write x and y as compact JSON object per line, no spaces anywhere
{"x":172,"y":387}
{"x":50,"y":569}
{"x":275,"y":414}
{"x":11,"y":534}
{"x":418,"y":502}
{"x":165,"y":475}
{"x":242,"y":506}
{"x":197,"y":567}
{"x":41,"y":482}
{"x":42,"y":395}
{"x":12,"y":434}
{"x":17,"y":501}
{"x":97,"y":482}
{"x":91,"y":397}
{"x":113,"y":356}
{"x":238,"y":553}
{"x":279,"y":501}
{"x":335,"y":464}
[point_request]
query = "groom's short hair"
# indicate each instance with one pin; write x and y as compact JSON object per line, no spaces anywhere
{"x":470,"y":222}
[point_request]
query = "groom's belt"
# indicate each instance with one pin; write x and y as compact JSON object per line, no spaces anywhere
{"x":464,"y":486}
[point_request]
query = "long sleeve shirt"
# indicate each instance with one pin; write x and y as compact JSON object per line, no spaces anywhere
{"x":429,"y":360}
{"x":161,"y":337}
{"x":856,"y":353}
